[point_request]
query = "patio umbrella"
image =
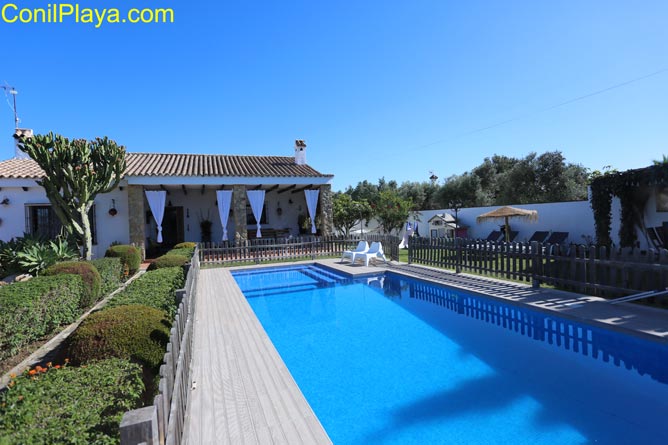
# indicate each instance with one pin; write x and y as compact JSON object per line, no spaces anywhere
{"x":507,"y":212}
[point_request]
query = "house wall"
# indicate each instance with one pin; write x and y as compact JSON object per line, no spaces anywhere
{"x":109,"y":228}
{"x":574,"y":217}
{"x":198,"y":206}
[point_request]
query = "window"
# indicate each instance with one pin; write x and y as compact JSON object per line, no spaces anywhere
{"x":250,"y":219}
{"x":41,"y":220}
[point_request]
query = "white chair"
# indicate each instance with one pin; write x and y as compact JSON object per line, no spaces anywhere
{"x":362,"y":247}
{"x":375,"y":252}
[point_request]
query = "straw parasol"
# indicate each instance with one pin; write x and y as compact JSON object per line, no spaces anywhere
{"x":507,"y":212}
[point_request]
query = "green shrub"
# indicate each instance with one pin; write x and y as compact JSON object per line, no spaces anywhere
{"x":32,"y":254}
{"x":111,"y":271}
{"x":169,"y":260}
{"x":155,"y":289}
{"x":137,"y":333}
{"x":188,"y":253}
{"x":129,"y":255}
{"x":89,"y":275}
{"x":186,"y":245}
{"x":32,"y":309}
{"x":70,"y":405}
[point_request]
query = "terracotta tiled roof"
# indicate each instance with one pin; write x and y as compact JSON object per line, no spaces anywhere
{"x":160,"y":164}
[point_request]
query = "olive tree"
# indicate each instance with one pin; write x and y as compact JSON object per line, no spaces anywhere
{"x":76,"y":171}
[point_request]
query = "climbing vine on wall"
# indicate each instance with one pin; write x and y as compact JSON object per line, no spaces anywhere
{"x":632,"y":187}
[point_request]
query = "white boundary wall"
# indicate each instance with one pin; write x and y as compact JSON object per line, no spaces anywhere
{"x":574,"y":217}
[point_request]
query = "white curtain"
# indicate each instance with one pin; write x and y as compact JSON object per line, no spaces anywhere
{"x":256,"y":198}
{"x":312,"y":204}
{"x":224,"y":201}
{"x":156,"y":201}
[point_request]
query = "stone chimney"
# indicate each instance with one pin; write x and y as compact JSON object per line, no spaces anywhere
{"x":21,"y":132}
{"x":300,"y":152}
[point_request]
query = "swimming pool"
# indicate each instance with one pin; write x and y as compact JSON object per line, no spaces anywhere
{"x":395,"y":360}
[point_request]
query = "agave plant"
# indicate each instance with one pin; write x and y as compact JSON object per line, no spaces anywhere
{"x":35,"y":258}
{"x":62,"y":249}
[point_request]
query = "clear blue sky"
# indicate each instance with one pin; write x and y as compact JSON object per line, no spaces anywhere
{"x":376,"y":88}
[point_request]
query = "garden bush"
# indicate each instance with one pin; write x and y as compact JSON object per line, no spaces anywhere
{"x":155,"y":289}
{"x":130,"y":256}
{"x":68,"y":405}
{"x":184,"y":251}
{"x":136,"y":333}
{"x":111,"y":271}
{"x":32,"y":309}
{"x":88,"y":273}
{"x":186,"y":245}
{"x":169,"y":260}
{"x":32,"y":254}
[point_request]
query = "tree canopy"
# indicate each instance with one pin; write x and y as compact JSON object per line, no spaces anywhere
{"x":498,"y":180}
{"x":76,"y":171}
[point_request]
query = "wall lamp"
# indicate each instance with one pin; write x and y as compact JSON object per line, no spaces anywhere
{"x":5,"y":201}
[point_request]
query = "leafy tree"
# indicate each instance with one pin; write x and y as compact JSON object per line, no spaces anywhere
{"x":348,"y":213}
{"x":76,"y":172}
{"x":392,"y":210}
{"x":423,"y":194}
{"x":464,"y":190}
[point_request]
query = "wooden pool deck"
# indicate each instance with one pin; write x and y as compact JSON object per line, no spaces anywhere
{"x":243,"y":393}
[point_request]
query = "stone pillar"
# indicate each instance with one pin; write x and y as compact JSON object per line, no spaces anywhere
{"x":239,"y":210}
{"x":325,"y":210}
{"x":136,"y":217}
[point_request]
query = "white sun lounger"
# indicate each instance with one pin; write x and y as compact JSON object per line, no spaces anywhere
{"x":362,"y":247}
{"x":375,"y":252}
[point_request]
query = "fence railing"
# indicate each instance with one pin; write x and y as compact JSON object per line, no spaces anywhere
{"x":163,"y":421}
{"x":584,"y":269}
{"x":264,"y":250}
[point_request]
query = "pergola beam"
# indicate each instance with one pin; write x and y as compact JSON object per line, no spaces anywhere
{"x":302,"y":189}
{"x":183,"y":187}
{"x":286,"y":189}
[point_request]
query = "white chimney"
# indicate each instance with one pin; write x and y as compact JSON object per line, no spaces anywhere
{"x":21,"y":132}
{"x":300,"y":152}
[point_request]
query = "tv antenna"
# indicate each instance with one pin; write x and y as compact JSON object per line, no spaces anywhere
{"x":11,"y":90}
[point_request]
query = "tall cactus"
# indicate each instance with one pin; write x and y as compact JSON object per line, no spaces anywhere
{"x":76,"y":171}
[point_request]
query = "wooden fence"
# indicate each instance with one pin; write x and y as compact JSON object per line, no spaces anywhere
{"x":265,"y":250}
{"x":584,"y":269}
{"x":163,"y":422}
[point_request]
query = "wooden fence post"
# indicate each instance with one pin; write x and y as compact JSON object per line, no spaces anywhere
{"x":458,"y":250}
{"x":140,"y":426}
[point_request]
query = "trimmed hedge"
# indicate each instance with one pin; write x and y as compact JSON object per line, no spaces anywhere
{"x":32,"y":309}
{"x":70,"y":405}
{"x":187,"y":245}
{"x":130,"y":256}
{"x":136,"y":333}
{"x":91,"y":279}
{"x":111,"y":271}
{"x":169,"y":260}
{"x":154,"y":289}
{"x":183,"y":252}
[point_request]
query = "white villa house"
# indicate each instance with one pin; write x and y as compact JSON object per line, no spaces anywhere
{"x":181,"y":191}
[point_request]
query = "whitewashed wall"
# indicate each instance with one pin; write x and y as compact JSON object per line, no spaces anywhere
{"x":574,"y":217}
{"x":109,"y":228}
{"x":198,"y":206}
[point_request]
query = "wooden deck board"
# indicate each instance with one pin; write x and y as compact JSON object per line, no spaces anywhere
{"x":244,"y":392}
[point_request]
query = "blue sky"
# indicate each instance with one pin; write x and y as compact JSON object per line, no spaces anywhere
{"x":376,"y":88}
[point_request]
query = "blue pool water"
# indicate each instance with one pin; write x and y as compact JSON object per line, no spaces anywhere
{"x":392,"y":360}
